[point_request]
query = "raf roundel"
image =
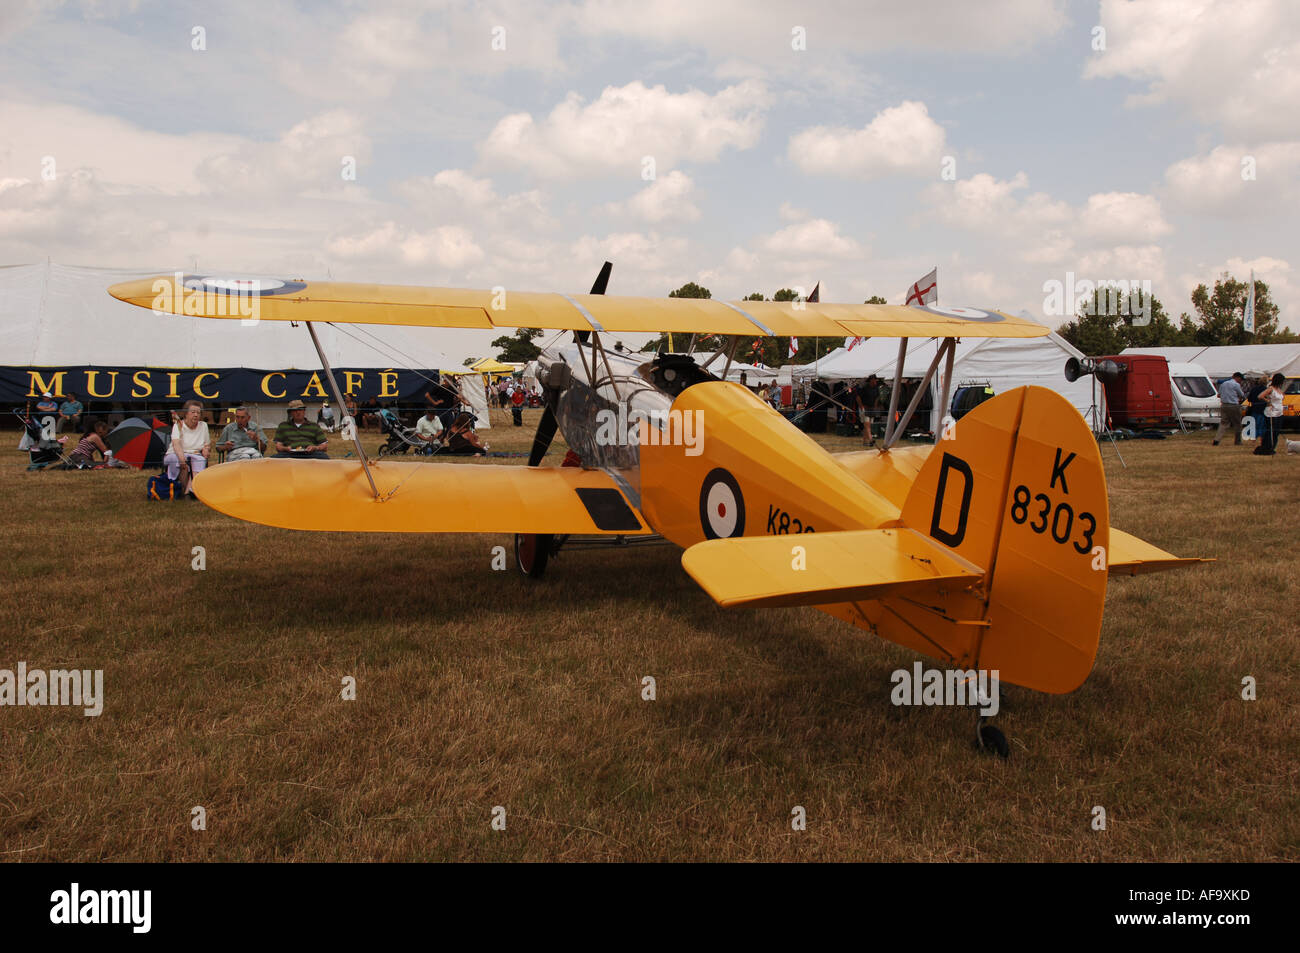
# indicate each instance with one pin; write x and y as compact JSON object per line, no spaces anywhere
{"x":252,"y":287}
{"x":722,"y":506}
{"x":966,"y":314}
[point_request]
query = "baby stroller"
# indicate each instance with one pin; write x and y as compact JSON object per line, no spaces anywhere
{"x":43,"y":448}
{"x":399,"y":439}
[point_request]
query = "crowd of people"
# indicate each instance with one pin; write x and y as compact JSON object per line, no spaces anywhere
{"x":1261,"y":401}
{"x":855,"y":406}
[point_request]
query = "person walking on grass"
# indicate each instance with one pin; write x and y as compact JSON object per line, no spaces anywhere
{"x":1231,"y":397}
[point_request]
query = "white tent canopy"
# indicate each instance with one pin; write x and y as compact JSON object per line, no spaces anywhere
{"x":55,"y":315}
{"x":1003,"y":363}
{"x":1224,"y":361}
{"x":754,"y":375}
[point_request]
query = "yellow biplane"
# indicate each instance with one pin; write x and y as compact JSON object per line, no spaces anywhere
{"x":989,"y":551}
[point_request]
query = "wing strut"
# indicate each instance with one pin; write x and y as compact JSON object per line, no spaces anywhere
{"x":349,"y":425}
{"x":946,"y":350}
{"x":893,"y":391}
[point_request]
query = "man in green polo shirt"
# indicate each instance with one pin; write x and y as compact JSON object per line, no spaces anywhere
{"x":298,"y":438}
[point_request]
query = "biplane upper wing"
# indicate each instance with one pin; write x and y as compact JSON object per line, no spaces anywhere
{"x":286,"y":300}
{"x":420,"y":497}
{"x":839,"y":567}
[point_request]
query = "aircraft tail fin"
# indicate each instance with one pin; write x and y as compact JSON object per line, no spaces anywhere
{"x":1016,"y":487}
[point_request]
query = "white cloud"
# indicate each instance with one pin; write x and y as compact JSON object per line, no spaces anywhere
{"x":814,"y":240}
{"x":901,"y":140}
{"x":1217,"y":182}
{"x":447,"y":246}
{"x":310,"y":158}
{"x":666,"y":199}
{"x":1236,"y":62}
{"x":791,"y":213}
{"x":625,"y":124}
{"x":1122,"y":217}
{"x":1041,"y":224}
{"x":115,"y":151}
{"x":761,"y":29}
{"x":991,"y":206}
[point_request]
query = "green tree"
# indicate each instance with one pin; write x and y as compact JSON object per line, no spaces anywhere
{"x":518,"y":347}
{"x":1107,"y":323}
{"x":755,"y":296}
{"x":691,"y":290}
{"x":680,"y":342}
{"x":1219,"y":313}
{"x":875,"y":299}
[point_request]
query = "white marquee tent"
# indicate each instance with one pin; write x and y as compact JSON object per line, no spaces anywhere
{"x":1224,"y":361}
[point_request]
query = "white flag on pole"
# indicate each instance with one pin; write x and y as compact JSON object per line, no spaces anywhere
{"x":1248,"y":320}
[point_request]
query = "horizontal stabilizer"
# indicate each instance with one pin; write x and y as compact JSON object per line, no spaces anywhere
{"x":1130,"y":556}
{"x":832,"y":567}
{"x":419,"y":497}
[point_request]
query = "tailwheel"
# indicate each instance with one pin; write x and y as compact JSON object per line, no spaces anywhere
{"x":992,"y":739}
{"x":532,"y":550}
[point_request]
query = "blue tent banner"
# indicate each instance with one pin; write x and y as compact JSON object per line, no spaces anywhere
{"x":229,"y":385}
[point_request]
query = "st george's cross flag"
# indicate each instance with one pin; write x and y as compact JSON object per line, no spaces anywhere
{"x":925,"y":291}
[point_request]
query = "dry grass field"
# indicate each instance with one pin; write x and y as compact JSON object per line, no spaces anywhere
{"x":478,"y":688}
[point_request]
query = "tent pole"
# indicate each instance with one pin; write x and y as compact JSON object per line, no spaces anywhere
{"x":344,"y":417}
{"x":916,"y":401}
{"x":893,"y":393}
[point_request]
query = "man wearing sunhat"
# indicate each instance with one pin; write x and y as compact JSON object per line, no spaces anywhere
{"x":299,"y":438}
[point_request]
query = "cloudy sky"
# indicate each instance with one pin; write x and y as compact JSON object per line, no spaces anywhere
{"x":744,"y":145}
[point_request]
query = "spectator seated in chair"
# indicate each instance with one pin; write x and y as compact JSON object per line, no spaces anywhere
{"x":241,"y":440}
{"x":429,"y":429}
{"x":188,"y":453}
{"x":299,"y":438}
{"x":70,"y":412}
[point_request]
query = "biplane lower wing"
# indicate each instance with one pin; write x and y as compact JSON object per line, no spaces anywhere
{"x":419,"y":497}
{"x":817,"y":568}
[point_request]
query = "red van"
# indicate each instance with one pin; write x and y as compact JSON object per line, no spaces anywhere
{"x":1141,"y":396}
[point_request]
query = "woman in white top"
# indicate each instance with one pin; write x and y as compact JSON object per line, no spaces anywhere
{"x":1271,"y":396}
{"x":188,"y":454}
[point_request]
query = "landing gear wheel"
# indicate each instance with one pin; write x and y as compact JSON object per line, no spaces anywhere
{"x":992,"y":739}
{"x":532,"y":550}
